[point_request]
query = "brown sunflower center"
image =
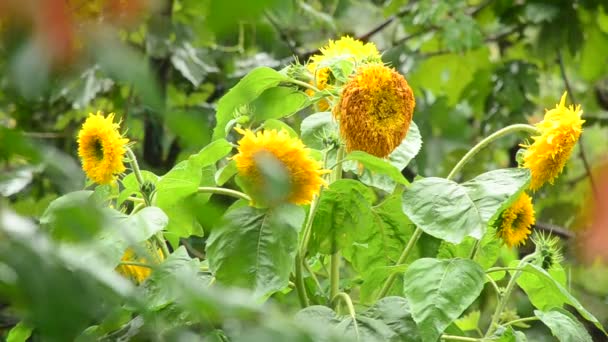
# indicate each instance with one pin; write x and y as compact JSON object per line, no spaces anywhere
{"x":98,"y":149}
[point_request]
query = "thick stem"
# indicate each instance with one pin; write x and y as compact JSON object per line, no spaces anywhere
{"x":160,"y":241}
{"x":345,"y":298}
{"x":138,"y":175}
{"x":224,"y":191}
{"x":459,"y":338}
{"x":402,"y":258}
{"x":300,"y":286}
{"x":475,"y":249}
{"x":486,"y":141}
{"x":505,"y":297}
{"x":304,"y":84}
{"x":334,"y":277}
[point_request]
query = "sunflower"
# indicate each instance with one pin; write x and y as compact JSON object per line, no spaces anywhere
{"x":375,"y":110}
{"x":514,"y":224}
{"x":101,"y":148}
{"x":345,"y":47}
{"x":276,"y":149}
{"x":139,"y":273}
{"x":547,"y":155}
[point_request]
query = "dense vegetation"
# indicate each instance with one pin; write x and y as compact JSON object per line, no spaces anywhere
{"x":331,"y":170}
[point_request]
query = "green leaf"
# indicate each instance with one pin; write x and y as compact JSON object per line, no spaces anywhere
{"x":225,"y":173}
{"x":324,"y":321}
{"x":158,"y":295}
{"x":278,"y":102}
{"x":439,"y":291}
{"x":255,"y":248}
{"x":487,"y":254}
{"x":191,"y":64}
{"x":181,"y":182}
{"x":19,"y":333}
{"x":315,"y":127}
{"x":470,"y":321}
{"x":343,"y":213}
{"x":377,"y":165}
{"x":279,"y":125}
{"x":243,"y":93}
{"x":408,"y":149}
{"x":395,"y":312}
{"x":546,"y":293}
{"x":564,"y":325}
{"x":451,"y":211}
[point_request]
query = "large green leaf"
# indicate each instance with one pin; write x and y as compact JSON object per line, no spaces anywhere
{"x":395,"y":312}
{"x":408,"y":149}
{"x":381,"y":245}
{"x":377,"y":166}
{"x":546,"y":293}
{"x":243,"y":93}
{"x":439,"y":291}
{"x":277,"y":102}
{"x":564,"y":325}
{"x":255,"y":248}
{"x":451,"y":211}
{"x":176,"y":187}
{"x":344,"y":213}
{"x":487,"y":254}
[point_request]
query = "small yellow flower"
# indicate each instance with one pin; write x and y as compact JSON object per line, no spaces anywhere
{"x":548,"y":154}
{"x":303,"y":172}
{"x":515,"y":223}
{"x":139,"y":273}
{"x":375,"y":110}
{"x":101,"y":148}
{"x":344,"y":47}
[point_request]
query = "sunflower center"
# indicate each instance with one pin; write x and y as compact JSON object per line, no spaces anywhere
{"x":98,"y":149}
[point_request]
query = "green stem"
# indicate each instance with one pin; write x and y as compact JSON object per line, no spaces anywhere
{"x":505,"y":297}
{"x":300,"y":286}
{"x":160,"y":241}
{"x":138,"y":175}
{"x":402,"y":258}
{"x":224,"y":191}
{"x":496,"y":288}
{"x":345,"y":298}
{"x":314,"y":277}
{"x":459,"y":338}
{"x":133,"y":263}
{"x":334,"y":276}
{"x":521,"y":320}
{"x":304,"y":84}
{"x":136,"y":199}
{"x":502,"y":269}
{"x":486,"y":141}
{"x":474,"y":250}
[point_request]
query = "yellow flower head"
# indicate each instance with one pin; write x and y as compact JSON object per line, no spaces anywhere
{"x":101,"y":148}
{"x":139,"y":273}
{"x":548,"y":154}
{"x":303,"y":172}
{"x":515,"y":223}
{"x":375,"y":110}
{"x":344,"y":47}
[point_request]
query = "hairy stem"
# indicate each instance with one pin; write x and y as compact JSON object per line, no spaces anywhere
{"x":486,"y":141}
{"x":138,"y":175}
{"x":224,"y":191}
{"x":334,"y":278}
{"x":345,"y":298}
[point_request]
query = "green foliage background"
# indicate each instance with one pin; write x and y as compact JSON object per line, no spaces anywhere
{"x":474,"y":66}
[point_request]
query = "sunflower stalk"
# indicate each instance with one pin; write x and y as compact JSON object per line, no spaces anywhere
{"x":334,"y":277}
{"x":158,"y":238}
{"x":506,"y":295}
{"x":224,"y":191}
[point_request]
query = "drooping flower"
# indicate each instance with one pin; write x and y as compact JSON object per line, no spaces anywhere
{"x":515,"y":223}
{"x":375,"y":110}
{"x":101,"y":148}
{"x":547,"y":155}
{"x":139,"y":274}
{"x":277,"y":152}
{"x":345,"y":47}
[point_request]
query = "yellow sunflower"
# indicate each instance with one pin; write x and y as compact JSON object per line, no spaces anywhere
{"x":303,"y":173}
{"x":101,"y":148}
{"x":139,"y":273}
{"x":375,"y":110}
{"x":515,"y":223}
{"x":559,"y":131}
{"x":344,"y":47}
